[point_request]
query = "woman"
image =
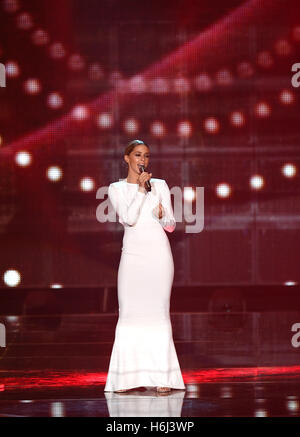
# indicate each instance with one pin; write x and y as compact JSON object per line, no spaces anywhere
{"x":143,"y":353}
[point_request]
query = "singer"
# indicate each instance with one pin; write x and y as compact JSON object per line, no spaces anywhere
{"x":143,"y":353}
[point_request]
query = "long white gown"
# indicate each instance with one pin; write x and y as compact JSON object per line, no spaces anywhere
{"x":143,"y":353}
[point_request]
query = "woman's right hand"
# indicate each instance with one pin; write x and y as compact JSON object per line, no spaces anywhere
{"x":143,"y":177}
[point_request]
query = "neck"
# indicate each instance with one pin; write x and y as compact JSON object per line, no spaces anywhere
{"x":132,"y":178}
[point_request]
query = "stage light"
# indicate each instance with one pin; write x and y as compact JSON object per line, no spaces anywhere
{"x":23,"y":159}
{"x":57,"y":50}
{"x":104,"y":120}
{"x":87,"y":184}
{"x":158,"y":129}
{"x":12,"y":278}
{"x":54,"y":101}
{"x":211,"y":125}
{"x":57,"y":409}
{"x":137,"y":85}
{"x":245,"y":69}
{"x":40,"y":37}
{"x":189,"y":194}
{"x":203,"y":82}
{"x":264,"y":59}
{"x":256,"y":182}
{"x":292,"y":405}
{"x":80,"y":113}
{"x":286,"y":97}
{"x":290,"y":283}
{"x":56,"y":286}
{"x":95,"y":71}
{"x":159,"y":85}
{"x":224,"y":77}
{"x":184,"y":129}
{"x":54,"y":173}
{"x":1,"y":140}
{"x":263,"y":110}
{"x":12,"y":319}
{"x":289,"y":170}
{"x":261,"y":413}
{"x":283,"y":47}
{"x":24,"y":21}
{"x":11,"y":6}
{"x":131,"y":126}
{"x":237,"y":119}
{"x":76,"y":62}
{"x":226,"y":392}
{"x":223,"y":190}
{"x":12,"y":69}
{"x":32,"y":86}
{"x":181,"y":85}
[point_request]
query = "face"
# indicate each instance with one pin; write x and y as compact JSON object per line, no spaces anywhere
{"x":139,"y":155}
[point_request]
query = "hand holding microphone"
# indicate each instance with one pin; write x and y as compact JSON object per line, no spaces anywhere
{"x":143,"y":179}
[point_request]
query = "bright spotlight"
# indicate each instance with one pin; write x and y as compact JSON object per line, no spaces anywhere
{"x":131,"y":126}
{"x":290,"y":283}
{"x":12,"y":69}
{"x":54,"y":173}
{"x":56,"y":286}
{"x":237,"y":119}
{"x":23,"y":158}
{"x":263,"y":110}
{"x":256,"y":182}
{"x":287,"y":97}
{"x":104,"y":120}
{"x":289,"y":170}
{"x":137,"y":85}
{"x":211,"y":125}
{"x":189,"y":194}
{"x":87,"y":184}
{"x":12,"y":278}
{"x":184,"y":129}
{"x":32,"y":86}
{"x":223,"y":190}
{"x":158,"y":129}
{"x":54,"y":101}
{"x":80,"y":113}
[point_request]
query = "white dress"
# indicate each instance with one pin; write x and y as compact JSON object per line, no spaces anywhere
{"x":143,"y":353}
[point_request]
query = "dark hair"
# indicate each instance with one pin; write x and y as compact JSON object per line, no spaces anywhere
{"x":132,"y":145}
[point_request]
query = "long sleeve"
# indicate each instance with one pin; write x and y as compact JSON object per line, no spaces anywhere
{"x":128,"y":214}
{"x":167,"y":221}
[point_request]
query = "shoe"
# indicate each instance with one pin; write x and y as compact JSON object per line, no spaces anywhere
{"x":163,"y":389}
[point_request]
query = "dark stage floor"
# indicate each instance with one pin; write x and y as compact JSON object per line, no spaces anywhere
{"x":231,"y":392}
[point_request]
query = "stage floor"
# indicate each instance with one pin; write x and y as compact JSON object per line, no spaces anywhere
{"x":230,"y":392}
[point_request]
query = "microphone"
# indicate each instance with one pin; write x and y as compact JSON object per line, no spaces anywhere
{"x":147,"y":183}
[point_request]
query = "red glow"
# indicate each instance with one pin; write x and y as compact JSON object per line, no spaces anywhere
{"x":55,"y":379}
